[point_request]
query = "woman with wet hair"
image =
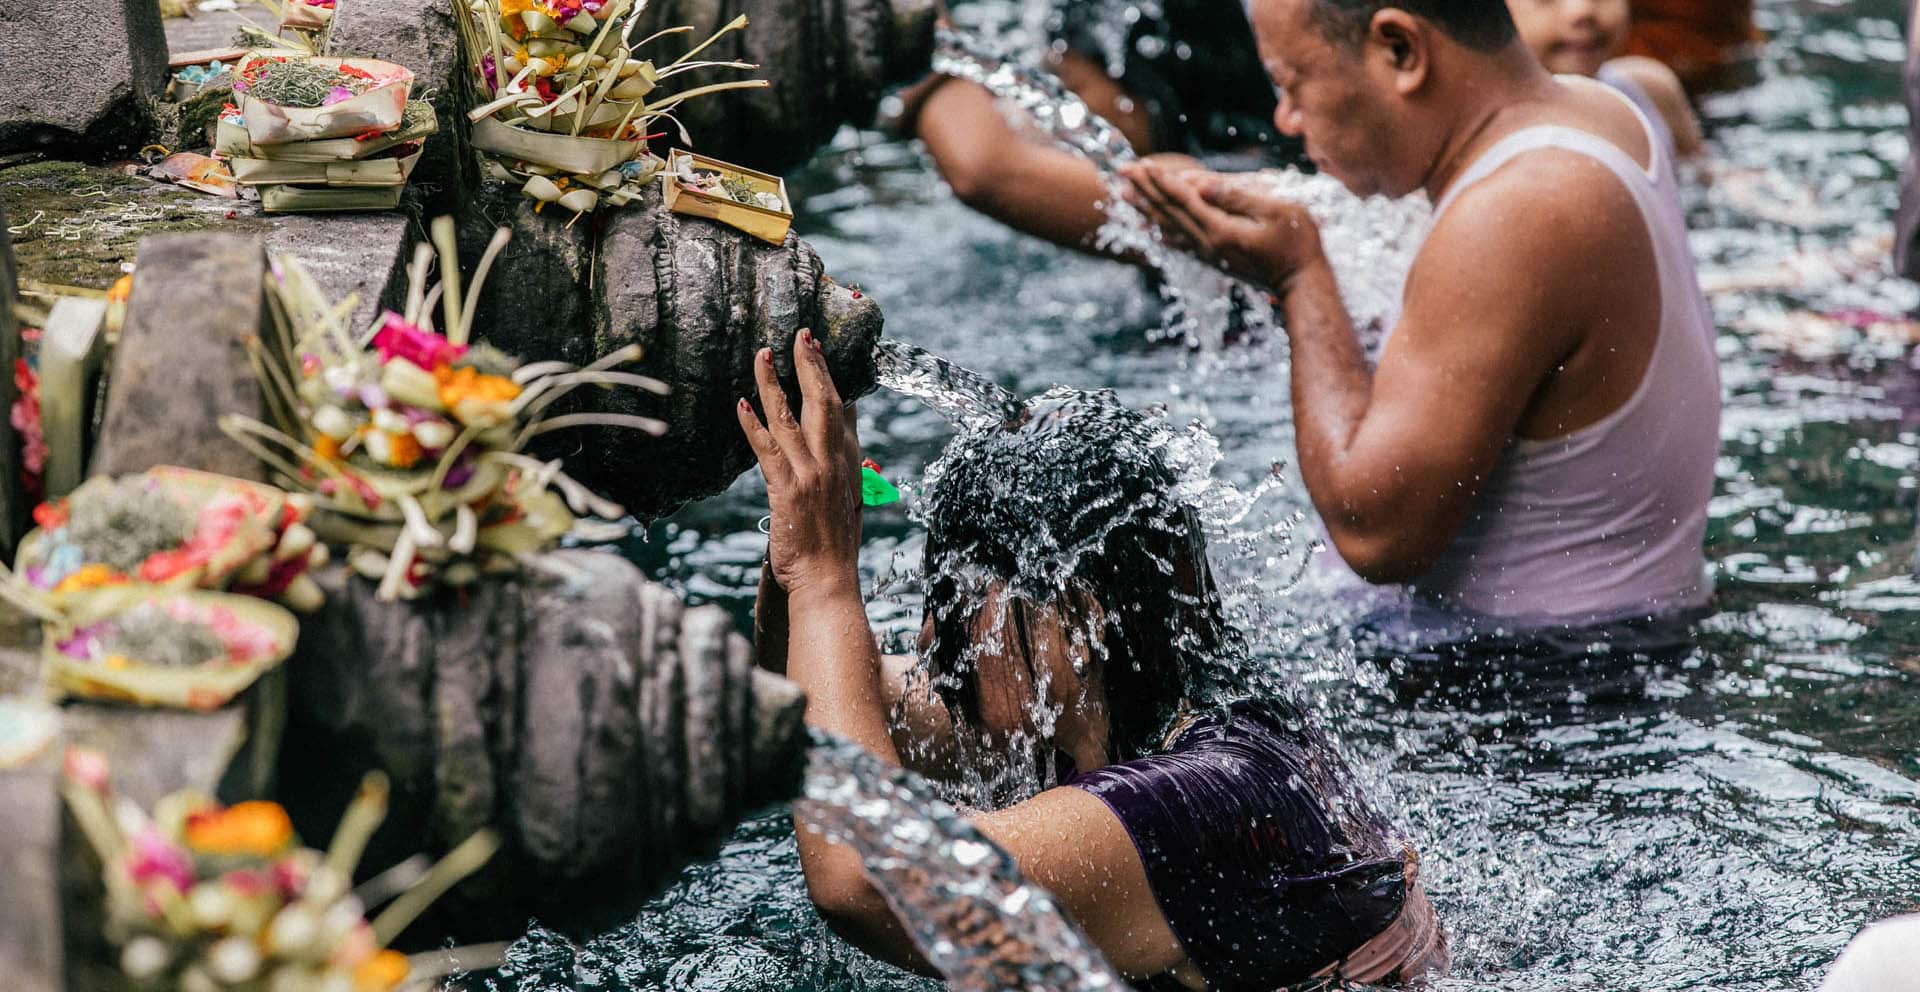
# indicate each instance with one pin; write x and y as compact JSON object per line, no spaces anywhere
{"x":1071,"y":620}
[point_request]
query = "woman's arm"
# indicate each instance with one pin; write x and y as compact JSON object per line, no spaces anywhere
{"x":813,"y":554}
{"x":1065,"y":840}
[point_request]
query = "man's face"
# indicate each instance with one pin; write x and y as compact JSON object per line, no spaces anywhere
{"x":1335,"y":97}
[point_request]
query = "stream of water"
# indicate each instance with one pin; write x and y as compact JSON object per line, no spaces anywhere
{"x":1724,"y":817}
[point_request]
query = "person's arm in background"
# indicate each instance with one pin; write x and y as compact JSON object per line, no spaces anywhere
{"x":1906,"y":219}
{"x":1065,"y":840}
{"x":1041,"y":189}
{"x":1664,"y":88}
{"x":1027,"y":183}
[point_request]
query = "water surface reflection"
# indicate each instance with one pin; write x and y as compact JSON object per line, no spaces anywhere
{"x":1724,"y":817}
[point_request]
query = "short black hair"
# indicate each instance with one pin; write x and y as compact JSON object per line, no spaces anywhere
{"x":1482,"y":25}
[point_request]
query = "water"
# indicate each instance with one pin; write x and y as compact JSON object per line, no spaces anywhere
{"x":1726,"y":824}
{"x":979,"y":923}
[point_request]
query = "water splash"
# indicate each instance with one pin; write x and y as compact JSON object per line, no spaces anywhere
{"x":1370,"y":242}
{"x":1043,"y":486}
{"x":965,"y":398}
{"x":1063,"y":116}
{"x":961,"y":898}
{"x":1201,"y":302}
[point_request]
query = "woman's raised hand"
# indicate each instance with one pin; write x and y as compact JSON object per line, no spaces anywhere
{"x":811,"y":464}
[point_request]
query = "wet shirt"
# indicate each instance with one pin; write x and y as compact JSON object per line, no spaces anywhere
{"x":1264,"y":859}
{"x":1193,"y":63}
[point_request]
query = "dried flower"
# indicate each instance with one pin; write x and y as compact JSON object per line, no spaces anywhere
{"x":121,"y":524}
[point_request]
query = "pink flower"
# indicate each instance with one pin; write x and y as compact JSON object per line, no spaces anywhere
{"x":339,"y":94}
{"x":249,"y":883}
{"x":154,"y":858}
{"x":290,"y":876}
{"x":399,"y":339}
{"x":25,"y":418}
{"x":87,"y":767}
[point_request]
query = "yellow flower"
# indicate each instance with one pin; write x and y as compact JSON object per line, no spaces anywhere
{"x":257,"y":828}
{"x":381,"y":972}
{"x":89,"y":577}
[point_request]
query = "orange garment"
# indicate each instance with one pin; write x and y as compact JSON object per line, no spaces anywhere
{"x":1693,"y":37}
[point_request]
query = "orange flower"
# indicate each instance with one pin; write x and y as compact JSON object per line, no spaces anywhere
{"x":404,"y":450}
{"x":381,"y":972}
{"x":90,"y":577}
{"x":257,"y":828}
{"x":473,"y":396}
{"x":327,"y":448}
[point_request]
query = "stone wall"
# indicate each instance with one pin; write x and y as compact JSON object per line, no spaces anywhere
{"x":606,"y":730}
{"x":700,"y":297}
{"x":80,"y":77}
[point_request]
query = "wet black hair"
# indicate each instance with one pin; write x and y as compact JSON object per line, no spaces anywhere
{"x":1482,"y":25}
{"x":1073,"y":501}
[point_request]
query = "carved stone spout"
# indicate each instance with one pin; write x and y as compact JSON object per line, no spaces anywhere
{"x":700,"y":297}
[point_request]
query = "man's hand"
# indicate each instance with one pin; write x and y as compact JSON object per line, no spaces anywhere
{"x":812,"y":470}
{"x":1234,"y":222}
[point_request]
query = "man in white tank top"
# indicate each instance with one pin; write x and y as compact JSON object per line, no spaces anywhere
{"x":1537,"y":442}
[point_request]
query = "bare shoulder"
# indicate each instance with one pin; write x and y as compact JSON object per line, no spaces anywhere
{"x":1669,"y":95}
{"x":1653,"y":76}
{"x":1546,"y":209}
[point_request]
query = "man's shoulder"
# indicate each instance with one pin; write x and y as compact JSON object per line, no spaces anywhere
{"x":1557,"y":196}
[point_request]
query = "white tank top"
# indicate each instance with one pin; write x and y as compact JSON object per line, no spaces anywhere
{"x":1606,"y":522}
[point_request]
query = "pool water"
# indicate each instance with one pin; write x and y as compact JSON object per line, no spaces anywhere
{"x":1723,"y":818}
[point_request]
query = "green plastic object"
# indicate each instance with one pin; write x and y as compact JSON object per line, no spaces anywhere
{"x":875,"y":490}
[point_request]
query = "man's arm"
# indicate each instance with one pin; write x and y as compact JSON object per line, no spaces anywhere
{"x":1500,"y":296}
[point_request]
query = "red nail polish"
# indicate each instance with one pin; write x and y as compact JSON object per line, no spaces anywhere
{"x":766,"y":356}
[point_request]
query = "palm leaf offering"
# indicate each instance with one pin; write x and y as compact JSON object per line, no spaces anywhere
{"x":179,"y":528}
{"x":293,"y":97}
{"x":567,"y":100}
{"x":154,"y":646}
{"x":201,"y":895}
{"x":411,"y":441}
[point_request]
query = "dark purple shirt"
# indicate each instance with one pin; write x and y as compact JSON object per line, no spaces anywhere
{"x":1266,"y":862}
